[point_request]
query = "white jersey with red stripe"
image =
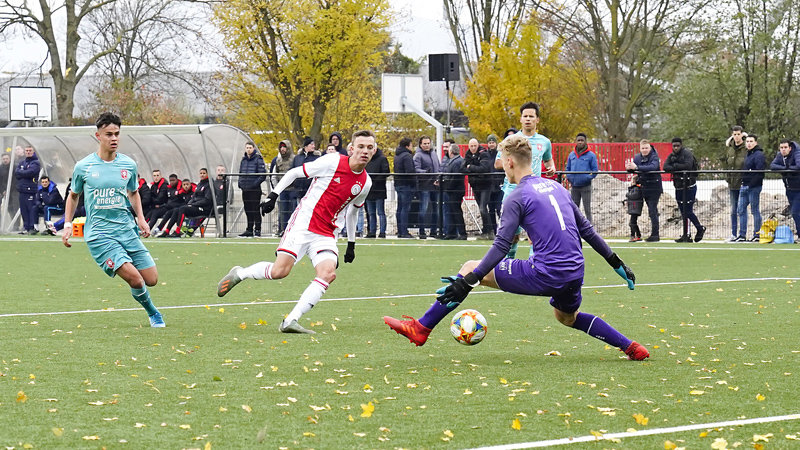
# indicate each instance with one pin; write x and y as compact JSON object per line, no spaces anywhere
{"x":335,"y":186}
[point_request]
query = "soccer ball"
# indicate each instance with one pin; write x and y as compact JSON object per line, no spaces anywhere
{"x":468,"y":327}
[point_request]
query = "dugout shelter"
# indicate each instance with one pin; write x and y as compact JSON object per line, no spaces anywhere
{"x":179,"y":149}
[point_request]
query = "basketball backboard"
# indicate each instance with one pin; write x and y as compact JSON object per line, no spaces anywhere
{"x":396,"y":86}
{"x":30,"y":103}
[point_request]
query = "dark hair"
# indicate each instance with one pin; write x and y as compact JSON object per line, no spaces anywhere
{"x":359,"y":133}
{"x":754,"y":136}
{"x":530,"y":105}
{"x":783,"y":141}
{"x":581,"y":134}
{"x":203,"y":168}
{"x":157,"y":170}
{"x":510,"y":131}
{"x":736,"y":128}
{"x":44,"y":177}
{"x":450,"y":140}
{"x":250,"y":143}
{"x":422,"y":138}
{"x":405,"y":142}
{"x":186,"y":180}
{"x":106,"y":119}
{"x":173,"y":175}
{"x":677,"y":139}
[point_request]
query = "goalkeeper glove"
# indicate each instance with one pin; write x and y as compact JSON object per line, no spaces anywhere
{"x":622,"y":270}
{"x":268,"y":205}
{"x":350,"y":253}
{"x":458,"y":289}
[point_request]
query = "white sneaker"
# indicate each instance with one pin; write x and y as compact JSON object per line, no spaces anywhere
{"x":51,"y":228}
{"x":293,"y":327}
{"x":731,"y":239}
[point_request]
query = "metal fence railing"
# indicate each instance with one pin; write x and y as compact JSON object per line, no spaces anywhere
{"x":609,"y":213}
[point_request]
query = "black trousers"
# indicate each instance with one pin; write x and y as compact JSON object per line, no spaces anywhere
{"x":251,"y":200}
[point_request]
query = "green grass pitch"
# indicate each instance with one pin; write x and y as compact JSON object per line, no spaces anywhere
{"x":222,"y":376}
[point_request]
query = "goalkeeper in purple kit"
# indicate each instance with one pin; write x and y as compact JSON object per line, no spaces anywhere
{"x":544,"y":209}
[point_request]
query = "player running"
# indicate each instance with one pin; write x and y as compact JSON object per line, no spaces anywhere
{"x":339,"y":181}
{"x":541,"y":153}
{"x":108,"y":182}
{"x":555,"y":225}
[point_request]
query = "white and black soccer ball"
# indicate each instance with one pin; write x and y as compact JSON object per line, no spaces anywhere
{"x":468,"y":327}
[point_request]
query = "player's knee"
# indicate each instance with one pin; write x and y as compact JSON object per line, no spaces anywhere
{"x":277,"y":272}
{"x":151,"y":280}
{"x":566,"y":319}
{"x":328,"y":276}
{"x":468,"y":267}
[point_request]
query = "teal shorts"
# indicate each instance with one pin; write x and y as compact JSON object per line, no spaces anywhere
{"x":111,"y":252}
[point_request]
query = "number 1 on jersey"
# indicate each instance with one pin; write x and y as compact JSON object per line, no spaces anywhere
{"x":558,"y":211}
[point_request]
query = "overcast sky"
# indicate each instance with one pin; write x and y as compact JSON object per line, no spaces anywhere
{"x":419,"y":27}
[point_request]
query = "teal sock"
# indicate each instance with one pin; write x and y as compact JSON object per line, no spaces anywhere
{"x":142,"y":296}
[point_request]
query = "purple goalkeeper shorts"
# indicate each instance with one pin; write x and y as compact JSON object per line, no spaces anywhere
{"x":518,"y":276}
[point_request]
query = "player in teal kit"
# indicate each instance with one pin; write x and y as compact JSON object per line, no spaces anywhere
{"x":541,"y":152}
{"x":109,"y":183}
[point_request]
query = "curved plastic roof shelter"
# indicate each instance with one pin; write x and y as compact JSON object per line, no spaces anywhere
{"x":179,"y":149}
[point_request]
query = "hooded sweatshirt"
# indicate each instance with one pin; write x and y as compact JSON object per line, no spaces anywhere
{"x":281,"y":163}
{"x":339,"y":148}
{"x":754,"y":161}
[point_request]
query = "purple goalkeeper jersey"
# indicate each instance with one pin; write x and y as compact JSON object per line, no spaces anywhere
{"x":555,"y":226}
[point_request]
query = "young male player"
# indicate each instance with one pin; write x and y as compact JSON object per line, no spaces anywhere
{"x":338,"y":181}
{"x":108,"y":182}
{"x":541,"y":152}
{"x":545,"y":210}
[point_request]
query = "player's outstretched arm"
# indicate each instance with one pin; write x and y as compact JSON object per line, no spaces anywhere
{"x":69,"y":213}
{"x":350,"y":222}
{"x":136,"y":203}
{"x":269,"y":204}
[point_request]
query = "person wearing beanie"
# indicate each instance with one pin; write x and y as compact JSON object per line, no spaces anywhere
{"x":287,"y":201}
{"x":678,"y":162}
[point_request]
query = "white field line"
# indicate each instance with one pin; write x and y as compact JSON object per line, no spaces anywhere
{"x":637,"y":433}
{"x":382,"y":297}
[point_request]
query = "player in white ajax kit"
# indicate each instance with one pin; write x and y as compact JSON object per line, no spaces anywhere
{"x":338,"y":181}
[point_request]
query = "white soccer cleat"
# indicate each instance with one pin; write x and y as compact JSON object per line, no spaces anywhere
{"x":293,"y":327}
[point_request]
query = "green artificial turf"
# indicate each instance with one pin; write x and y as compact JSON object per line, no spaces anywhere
{"x":221,"y":375}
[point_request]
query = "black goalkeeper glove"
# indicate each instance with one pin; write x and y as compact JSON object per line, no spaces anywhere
{"x":622,"y":270}
{"x":269,"y":204}
{"x":458,"y":289}
{"x":350,"y":253}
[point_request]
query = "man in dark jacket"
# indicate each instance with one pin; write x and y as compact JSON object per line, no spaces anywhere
{"x":27,"y":174}
{"x":426,"y":165}
{"x":788,"y":158}
{"x":582,"y":160}
{"x":682,"y":159}
{"x":48,"y":200}
{"x":221,"y":184}
{"x":306,"y":154}
{"x":287,"y":201}
{"x":733,"y":159}
{"x":252,"y":162}
{"x":5,"y":172}
{"x":454,"y":194}
{"x":405,"y":184}
{"x":377,"y":168}
{"x":146,"y":195}
{"x":477,"y":165}
{"x":647,"y":165}
{"x":158,"y":192}
{"x":199,"y":205}
{"x":750,"y":191}
{"x":172,"y":190}
{"x":495,"y":184}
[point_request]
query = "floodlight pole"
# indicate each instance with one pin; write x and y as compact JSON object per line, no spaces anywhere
{"x":436,"y":124}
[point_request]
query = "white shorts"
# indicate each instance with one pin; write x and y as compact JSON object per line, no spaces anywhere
{"x":297,"y":243}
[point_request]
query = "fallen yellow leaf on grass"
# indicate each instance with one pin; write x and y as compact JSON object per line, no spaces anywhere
{"x":367,"y":409}
{"x":697,"y":392}
{"x":719,"y":444}
{"x":669,"y":445}
{"x":764,"y":437}
{"x":21,"y":397}
{"x":58,"y":432}
{"x":185,"y":427}
{"x":308,"y":434}
{"x":247,"y":408}
{"x":516,"y":424}
{"x":207,"y":446}
{"x":640,"y":419}
{"x":91,"y":438}
{"x":243,"y":325}
{"x":760,"y":398}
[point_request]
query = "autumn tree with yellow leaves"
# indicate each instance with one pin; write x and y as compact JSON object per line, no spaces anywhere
{"x":303,"y":67}
{"x":532,"y":70}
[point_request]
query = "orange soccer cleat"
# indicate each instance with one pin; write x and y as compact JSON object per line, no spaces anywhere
{"x":637,"y":352}
{"x":412,"y":329}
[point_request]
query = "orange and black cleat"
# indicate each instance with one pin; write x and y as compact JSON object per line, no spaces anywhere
{"x":637,"y":352}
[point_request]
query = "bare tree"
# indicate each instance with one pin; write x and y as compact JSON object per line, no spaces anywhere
{"x":635,"y":46}
{"x":38,"y":21}
{"x":475,"y":22}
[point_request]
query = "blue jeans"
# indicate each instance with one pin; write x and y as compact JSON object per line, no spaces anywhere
{"x":428,"y":211}
{"x":794,"y":201}
{"x":404,"y":196}
{"x":734,"y":197}
{"x":749,"y":196}
{"x":287,"y":202}
{"x":376,"y":207}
